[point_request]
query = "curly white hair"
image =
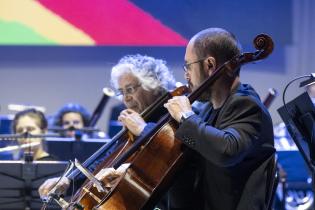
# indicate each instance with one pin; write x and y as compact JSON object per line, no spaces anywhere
{"x":153,"y":74}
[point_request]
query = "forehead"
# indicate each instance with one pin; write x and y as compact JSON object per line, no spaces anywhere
{"x":26,"y":121}
{"x":71,"y":116}
{"x":190,"y":51}
{"x":127,"y":79}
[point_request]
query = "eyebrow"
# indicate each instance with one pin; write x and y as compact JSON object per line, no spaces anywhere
{"x":127,"y":86}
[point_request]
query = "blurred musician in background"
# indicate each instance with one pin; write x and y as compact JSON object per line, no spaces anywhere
{"x":310,"y":89}
{"x":31,"y":121}
{"x":72,"y":117}
{"x":139,"y":81}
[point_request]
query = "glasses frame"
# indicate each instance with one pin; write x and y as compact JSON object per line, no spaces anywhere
{"x":132,"y":88}
{"x":187,"y":65}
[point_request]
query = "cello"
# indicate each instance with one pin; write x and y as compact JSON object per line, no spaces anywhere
{"x":156,"y":157}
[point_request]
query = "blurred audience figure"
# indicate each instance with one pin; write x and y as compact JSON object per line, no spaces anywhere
{"x":31,"y":122}
{"x":72,"y":117}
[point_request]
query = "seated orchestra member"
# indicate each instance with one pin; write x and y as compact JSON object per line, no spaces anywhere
{"x":232,"y":137}
{"x":33,"y":122}
{"x":139,"y":80}
{"x":70,"y":117}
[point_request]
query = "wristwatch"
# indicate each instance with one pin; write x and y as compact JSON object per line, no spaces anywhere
{"x":186,"y":115}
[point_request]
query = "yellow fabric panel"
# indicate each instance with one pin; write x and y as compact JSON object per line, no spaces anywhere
{"x":44,"y":22}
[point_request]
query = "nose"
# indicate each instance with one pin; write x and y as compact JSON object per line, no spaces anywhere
{"x":127,"y":97}
{"x":71,"y":124}
{"x":25,"y":130}
{"x":187,"y":76}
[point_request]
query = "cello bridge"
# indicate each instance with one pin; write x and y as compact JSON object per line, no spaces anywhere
{"x":97,"y":199}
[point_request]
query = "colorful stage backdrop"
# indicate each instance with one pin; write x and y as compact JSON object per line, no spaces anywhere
{"x":114,"y":28}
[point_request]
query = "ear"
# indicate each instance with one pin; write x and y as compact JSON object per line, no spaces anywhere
{"x":210,"y":65}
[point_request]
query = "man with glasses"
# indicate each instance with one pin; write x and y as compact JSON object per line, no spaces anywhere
{"x":139,"y":81}
{"x":232,"y":137}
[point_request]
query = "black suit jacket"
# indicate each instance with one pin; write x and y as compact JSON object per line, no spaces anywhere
{"x":232,"y":158}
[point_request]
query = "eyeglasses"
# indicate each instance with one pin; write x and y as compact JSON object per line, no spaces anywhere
{"x":128,"y":90}
{"x":186,"y":66}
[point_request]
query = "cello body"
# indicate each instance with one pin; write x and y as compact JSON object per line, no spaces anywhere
{"x":147,"y":177}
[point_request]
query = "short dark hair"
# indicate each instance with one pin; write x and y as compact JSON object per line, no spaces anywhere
{"x":216,"y":42}
{"x":71,"y":107}
{"x":33,"y":113}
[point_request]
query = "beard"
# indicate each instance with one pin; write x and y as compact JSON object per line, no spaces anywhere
{"x":136,"y":109}
{"x":134,"y":106}
{"x":206,"y":95}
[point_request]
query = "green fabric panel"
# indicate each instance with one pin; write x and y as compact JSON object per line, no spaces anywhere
{"x":13,"y":33}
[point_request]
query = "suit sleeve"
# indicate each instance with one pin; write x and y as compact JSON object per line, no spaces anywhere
{"x":238,"y":132}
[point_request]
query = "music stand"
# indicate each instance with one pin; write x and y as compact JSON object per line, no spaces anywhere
{"x":19,"y":182}
{"x":69,"y":148}
{"x":299,"y":118}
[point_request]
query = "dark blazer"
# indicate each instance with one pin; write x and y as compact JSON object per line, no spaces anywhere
{"x":232,"y":157}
